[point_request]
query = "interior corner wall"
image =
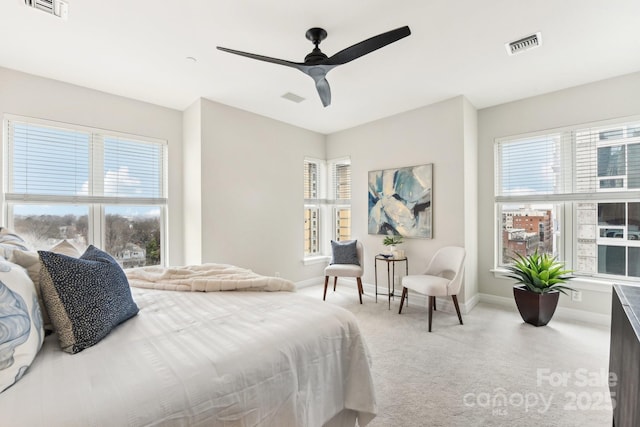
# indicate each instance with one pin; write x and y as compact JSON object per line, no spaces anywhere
{"x":432,"y":134}
{"x":192,"y":185}
{"x":470,"y":171}
{"x":603,"y":100}
{"x":252,"y":191}
{"x":31,"y":96}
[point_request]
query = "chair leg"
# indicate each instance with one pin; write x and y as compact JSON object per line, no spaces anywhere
{"x":455,"y":302}
{"x":434,"y":304}
{"x":404,"y":295}
{"x":432,"y":301}
{"x":326,"y":282}
{"x":359,"y":280}
{"x":335,"y":280}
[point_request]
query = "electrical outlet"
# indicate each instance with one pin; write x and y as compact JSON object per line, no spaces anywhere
{"x":576,"y":296}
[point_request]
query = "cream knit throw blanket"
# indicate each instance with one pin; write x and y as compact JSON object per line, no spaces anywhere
{"x":205,"y":278}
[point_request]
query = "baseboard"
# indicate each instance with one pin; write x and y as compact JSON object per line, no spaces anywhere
{"x":444,"y":304}
{"x":561,"y":312}
{"x":310,"y":282}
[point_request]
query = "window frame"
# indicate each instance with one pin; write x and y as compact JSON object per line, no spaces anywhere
{"x":96,"y":203}
{"x":570,"y":197}
{"x":328,"y":207}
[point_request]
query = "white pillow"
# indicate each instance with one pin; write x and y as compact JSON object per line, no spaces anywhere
{"x":22,"y":334}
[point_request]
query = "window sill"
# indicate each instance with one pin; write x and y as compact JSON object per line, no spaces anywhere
{"x":582,"y":283}
{"x":320,"y":259}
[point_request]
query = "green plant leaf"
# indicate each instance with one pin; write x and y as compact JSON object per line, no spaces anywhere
{"x":540,"y":273}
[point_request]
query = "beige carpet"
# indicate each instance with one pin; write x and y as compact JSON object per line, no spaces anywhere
{"x":494,"y":370}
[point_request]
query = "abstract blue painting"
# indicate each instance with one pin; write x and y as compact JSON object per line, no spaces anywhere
{"x":400,"y":201}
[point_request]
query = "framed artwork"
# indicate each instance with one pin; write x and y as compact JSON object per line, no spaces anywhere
{"x":400,"y":201}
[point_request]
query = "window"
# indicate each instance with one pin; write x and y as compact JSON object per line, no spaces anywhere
{"x":327,"y":204}
{"x":342,"y":199}
{"x":573,"y":193}
{"x":88,"y":186}
{"x":311,"y":207}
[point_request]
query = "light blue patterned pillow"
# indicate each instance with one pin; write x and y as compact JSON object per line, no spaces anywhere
{"x":21,"y":332}
{"x":85,"y":297}
{"x":9,"y":242}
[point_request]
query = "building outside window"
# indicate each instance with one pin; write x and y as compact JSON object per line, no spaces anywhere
{"x":573,"y":193}
{"x":88,"y":186}
{"x":327,"y":204}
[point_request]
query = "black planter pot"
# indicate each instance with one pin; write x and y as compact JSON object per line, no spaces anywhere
{"x":536,"y":309}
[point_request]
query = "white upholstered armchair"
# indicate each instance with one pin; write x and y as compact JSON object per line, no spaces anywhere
{"x":443,"y":277}
{"x":347,"y":261}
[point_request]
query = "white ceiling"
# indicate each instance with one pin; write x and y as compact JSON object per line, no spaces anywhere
{"x":138,"y":49}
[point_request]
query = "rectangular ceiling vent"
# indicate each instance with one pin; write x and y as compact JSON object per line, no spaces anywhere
{"x":293,"y":97}
{"x":57,"y":8}
{"x":525,"y":43}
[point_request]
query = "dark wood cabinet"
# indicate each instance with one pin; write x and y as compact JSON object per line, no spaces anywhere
{"x":624,"y":355}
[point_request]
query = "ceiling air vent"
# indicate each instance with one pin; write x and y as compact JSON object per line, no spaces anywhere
{"x":57,"y":8}
{"x":525,"y":43}
{"x":293,"y":97}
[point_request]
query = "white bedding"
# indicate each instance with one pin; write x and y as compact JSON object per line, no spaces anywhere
{"x":205,"y":359}
{"x":205,"y":278}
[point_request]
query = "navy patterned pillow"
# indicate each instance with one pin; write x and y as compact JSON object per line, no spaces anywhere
{"x":345,"y":252}
{"x":85,"y":297}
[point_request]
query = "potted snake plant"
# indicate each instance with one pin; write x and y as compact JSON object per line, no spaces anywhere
{"x":540,"y":278}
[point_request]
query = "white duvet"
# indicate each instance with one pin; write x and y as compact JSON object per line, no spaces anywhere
{"x":205,"y":359}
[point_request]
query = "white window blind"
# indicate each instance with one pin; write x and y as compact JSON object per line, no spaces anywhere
{"x":44,"y":160}
{"x":528,"y":166}
{"x":580,"y":163}
{"x":341,"y":185}
{"x":607,"y":158}
{"x":310,"y":179}
{"x":342,"y":180}
{"x":50,"y":162}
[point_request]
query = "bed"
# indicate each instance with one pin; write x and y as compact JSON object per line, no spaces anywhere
{"x":240,"y":358}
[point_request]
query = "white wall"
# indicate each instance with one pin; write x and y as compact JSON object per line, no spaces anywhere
{"x":252,"y":191}
{"x":27,"y":95}
{"x":432,"y":134}
{"x":607,"y":99}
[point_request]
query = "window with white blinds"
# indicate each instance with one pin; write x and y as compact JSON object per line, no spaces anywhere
{"x":312,"y":204}
{"x":327,"y":204}
{"x":342,"y":180}
{"x":47,"y":161}
{"x":341,"y":200}
{"x":574,"y":193}
{"x":87,"y":185}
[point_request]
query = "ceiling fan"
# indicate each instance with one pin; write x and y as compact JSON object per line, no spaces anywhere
{"x":316,"y":64}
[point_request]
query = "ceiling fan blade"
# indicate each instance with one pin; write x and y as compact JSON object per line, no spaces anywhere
{"x":368,"y":46}
{"x":264,"y":58}
{"x":318,"y":74}
{"x":322,"y":85}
